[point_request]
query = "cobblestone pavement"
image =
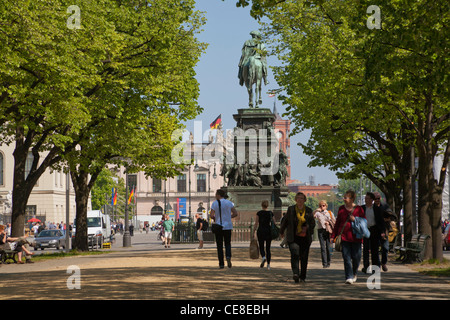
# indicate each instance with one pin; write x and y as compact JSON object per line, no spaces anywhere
{"x":148,"y":271}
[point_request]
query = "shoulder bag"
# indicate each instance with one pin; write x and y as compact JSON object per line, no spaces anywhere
{"x":338,"y":240}
{"x":215,"y":227}
{"x":274,"y":230}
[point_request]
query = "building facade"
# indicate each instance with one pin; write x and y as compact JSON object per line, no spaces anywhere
{"x":47,"y":201}
{"x":282,"y":129}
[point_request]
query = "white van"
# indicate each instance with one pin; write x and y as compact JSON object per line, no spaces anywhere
{"x":99,"y":225}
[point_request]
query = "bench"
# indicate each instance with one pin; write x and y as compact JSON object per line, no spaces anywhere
{"x":414,"y":249}
{"x":8,"y":255}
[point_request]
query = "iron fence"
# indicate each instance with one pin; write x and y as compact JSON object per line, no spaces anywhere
{"x":187,"y":232}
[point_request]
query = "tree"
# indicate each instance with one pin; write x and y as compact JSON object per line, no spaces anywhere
{"x":368,"y":95}
{"x":155,"y":93}
{"x":102,"y":189}
{"x":47,"y":73}
{"x":57,"y":84}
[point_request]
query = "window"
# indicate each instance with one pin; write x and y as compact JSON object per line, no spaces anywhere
{"x":181,"y":183}
{"x":1,"y":169}
{"x":157,"y":211}
{"x":157,"y":185}
{"x":201,"y":182}
{"x":132,"y":182}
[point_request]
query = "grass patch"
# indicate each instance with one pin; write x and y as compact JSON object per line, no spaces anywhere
{"x":435,"y":268}
{"x":72,"y":253}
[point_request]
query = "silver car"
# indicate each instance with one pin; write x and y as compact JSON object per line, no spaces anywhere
{"x":50,"y":239}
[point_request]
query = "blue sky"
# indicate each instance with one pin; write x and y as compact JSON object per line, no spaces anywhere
{"x":226,"y":30}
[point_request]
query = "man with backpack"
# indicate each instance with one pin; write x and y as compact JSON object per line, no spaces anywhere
{"x":202,"y":225}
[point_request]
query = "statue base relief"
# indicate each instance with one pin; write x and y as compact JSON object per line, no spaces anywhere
{"x":247,"y":200}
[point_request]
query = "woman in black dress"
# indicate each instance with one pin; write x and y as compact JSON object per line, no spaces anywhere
{"x":263,"y":232}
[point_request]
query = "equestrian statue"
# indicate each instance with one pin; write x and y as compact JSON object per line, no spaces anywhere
{"x":253,"y":67}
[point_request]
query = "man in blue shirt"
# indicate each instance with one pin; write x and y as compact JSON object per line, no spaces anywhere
{"x":222,"y":211}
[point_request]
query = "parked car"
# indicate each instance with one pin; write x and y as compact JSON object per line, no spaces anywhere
{"x":446,"y":238}
{"x":50,"y":239}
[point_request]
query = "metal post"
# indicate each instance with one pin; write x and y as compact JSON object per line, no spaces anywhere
{"x":126,"y":233}
{"x":189,"y":193}
{"x":67,"y":247}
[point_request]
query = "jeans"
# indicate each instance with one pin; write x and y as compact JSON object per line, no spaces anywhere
{"x":221,"y":237}
{"x":351,"y":253}
{"x":384,"y":250}
{"x":373,"y":243}
{"x":325,"y":246}
{"x":299,"y":256}
{"x":265,"y":253}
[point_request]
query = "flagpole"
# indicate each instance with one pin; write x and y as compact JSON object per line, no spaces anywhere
{"x":126,"y":233}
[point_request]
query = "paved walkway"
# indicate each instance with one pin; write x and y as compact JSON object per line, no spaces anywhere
{"x":148,"y":271}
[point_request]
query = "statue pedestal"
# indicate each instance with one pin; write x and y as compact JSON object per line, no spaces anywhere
{"x":255,"y":174}
{"x":247,"y":200}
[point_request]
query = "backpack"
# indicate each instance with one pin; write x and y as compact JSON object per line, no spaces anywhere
{"x":204,"y":225}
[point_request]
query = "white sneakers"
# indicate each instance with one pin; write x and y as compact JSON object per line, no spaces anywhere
{"x":351,"y":281}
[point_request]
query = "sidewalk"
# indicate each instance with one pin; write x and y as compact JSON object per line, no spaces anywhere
{"x":148,"y":271}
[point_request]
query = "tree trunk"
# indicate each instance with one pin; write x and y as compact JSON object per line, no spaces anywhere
{"x":22,"y":187}
{"x":406,"y":176}
{"x":80,"y":184}
{"x":423,"y":202}
{"x":83,"y":182}
{"x":436,"y":217}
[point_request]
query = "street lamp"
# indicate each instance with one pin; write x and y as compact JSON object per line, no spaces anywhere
{"x":126,"y":233}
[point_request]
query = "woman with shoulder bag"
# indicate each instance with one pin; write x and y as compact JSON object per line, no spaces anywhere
{"x":325,"y":226}
{"x":298,"y":227}
{"x":264,"y":219}
{"x":351,"y":245}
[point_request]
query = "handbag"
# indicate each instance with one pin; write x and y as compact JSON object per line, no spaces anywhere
{"x":274,"y":230}
{"x":254,"y":249}
{"x":215,"y":227}
{"x":338,"y":240}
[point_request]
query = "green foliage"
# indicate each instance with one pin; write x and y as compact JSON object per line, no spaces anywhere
{"x":111,"y":90}
{"x":102,"y":189}
{"x":361,"y":92}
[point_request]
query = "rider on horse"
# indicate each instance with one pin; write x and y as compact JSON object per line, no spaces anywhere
{"x":252,"y":48}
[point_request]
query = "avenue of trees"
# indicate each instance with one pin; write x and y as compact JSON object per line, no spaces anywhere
{"x":104,"y":82}
{"x":374,"y":98}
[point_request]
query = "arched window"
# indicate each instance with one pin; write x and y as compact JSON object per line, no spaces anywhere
{"x":157,"y":211}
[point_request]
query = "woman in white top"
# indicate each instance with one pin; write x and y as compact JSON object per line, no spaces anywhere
{"x":325,"y":227}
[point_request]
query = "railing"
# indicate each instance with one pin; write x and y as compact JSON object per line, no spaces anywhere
{"x":95,"y":242}
{"x":187,"y":232}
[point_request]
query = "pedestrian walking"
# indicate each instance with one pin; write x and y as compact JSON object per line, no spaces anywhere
{"x":325,"y":225}
{"x":384,"y":239}
{"x":199,"y":225}
{"x":264,"y":219}
{"x":351,"y":245}
{"x":222,"y":211}
{"x":169,"y":227}
{"x":298,"y":227}
{"x":375,"y":223}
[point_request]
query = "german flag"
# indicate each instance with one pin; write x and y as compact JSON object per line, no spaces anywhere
{"x":131,"y":195}
{"x":114,"y":197}
{"x":215,"y":124}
